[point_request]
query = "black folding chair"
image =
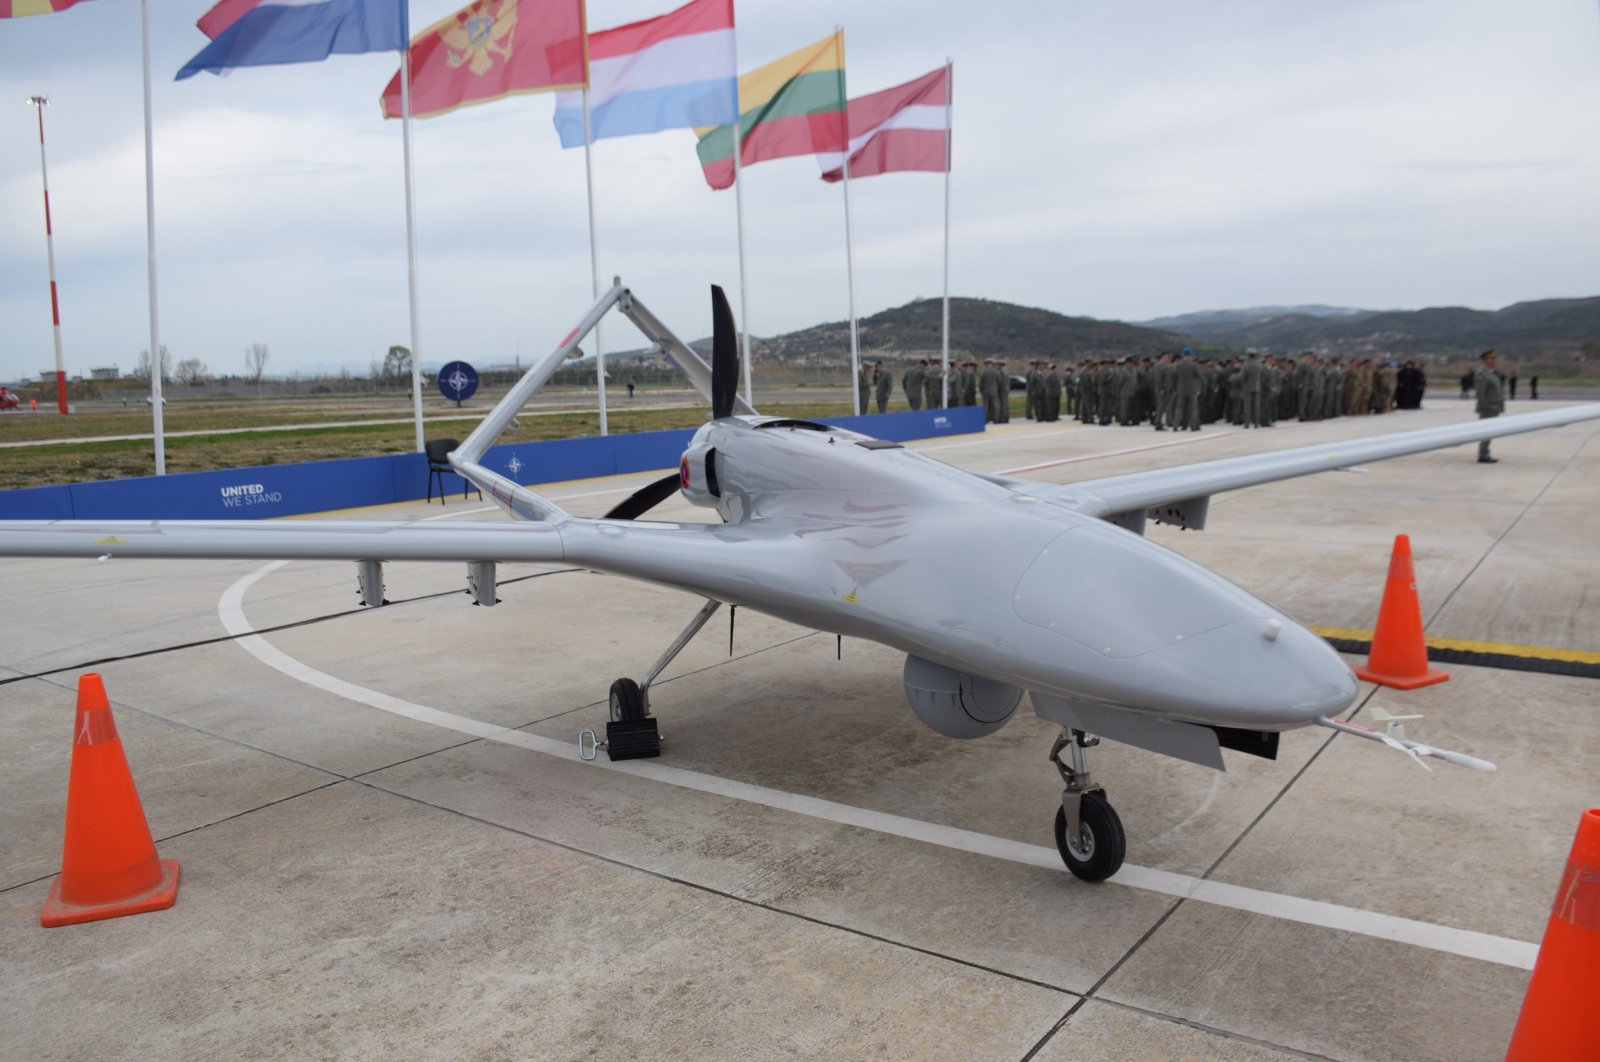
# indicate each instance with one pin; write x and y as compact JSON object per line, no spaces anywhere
{"x":438,"y":454}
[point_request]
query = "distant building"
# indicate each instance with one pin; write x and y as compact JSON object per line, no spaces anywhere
{"x":109,"y":373}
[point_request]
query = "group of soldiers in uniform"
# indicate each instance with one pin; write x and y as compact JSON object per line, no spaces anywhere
{"x":1175,"y":391}
{"x":1180,"y":392}
{"x":926,"y":383}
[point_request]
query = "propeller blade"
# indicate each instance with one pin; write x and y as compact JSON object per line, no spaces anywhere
{"x":724,"y":355}
{"x":644,"y":499}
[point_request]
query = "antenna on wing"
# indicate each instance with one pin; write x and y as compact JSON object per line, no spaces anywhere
{"x":724,"y":356}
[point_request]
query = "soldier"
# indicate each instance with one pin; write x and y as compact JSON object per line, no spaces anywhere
{"x":1161,"y":385}
{"x":1272,"y":388}
{"x":933,"y":387}
{"x":1288,"y":389}
{"x":1382,"y":389}
{"x":1250,"y":390}
{"x":969,"y":384}
{"x":1004,"y":392}
{"x":1233,"y":387}
{"x":1106,"y":402}
{"x":1033,"y":393}
{"x":864,"y":390}
{"x":1052,"y":393}
{"x":989,"y":385}
{"x":1311,"y":382}
{"x":911,"y":383}
{"x":1491,"y":396}
{"x":881,"y":382}
{"x":1186,"y":380}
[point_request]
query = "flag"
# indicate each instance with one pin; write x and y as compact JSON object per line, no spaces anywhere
{"x":18,"y":8}
{"x":223,"y":15}
{"x":791,"y":106}
{"x":677,"y":71}
{"x":903,"y":128}
{"x":491,"y":49}
{"x":267,"y":32}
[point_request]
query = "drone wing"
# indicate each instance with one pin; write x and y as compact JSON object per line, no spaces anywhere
{"x":419,"y":540}
{"x":1179,"y":495}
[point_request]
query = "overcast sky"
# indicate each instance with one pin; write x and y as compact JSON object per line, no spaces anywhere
{"x":1121,"y":159}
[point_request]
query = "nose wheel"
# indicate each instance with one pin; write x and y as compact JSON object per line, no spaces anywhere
{"x":631,"y":732}
{"x":1089,"y":834}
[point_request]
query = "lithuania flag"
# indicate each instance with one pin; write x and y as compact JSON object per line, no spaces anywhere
{"x":791,"y":106}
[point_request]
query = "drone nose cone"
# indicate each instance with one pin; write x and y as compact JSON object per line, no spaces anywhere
{"x":1261,"y":672}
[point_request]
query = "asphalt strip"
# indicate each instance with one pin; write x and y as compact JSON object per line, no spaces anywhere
{"x":1473,"y":945}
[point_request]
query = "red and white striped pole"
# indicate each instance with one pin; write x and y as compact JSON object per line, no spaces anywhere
{"x":40,"y":103}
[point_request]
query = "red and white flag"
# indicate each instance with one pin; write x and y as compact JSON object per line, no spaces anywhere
{"x":903,"y":128}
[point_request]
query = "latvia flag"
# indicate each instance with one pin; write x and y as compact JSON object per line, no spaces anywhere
{"x":903,"y":128}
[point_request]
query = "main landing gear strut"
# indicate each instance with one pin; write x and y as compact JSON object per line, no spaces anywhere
{"x":1089,"y":834}
{"x":631,"y":733}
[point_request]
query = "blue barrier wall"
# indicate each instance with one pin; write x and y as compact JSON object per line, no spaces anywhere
{"x":322,"y":486}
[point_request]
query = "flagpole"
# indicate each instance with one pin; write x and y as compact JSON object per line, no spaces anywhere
{"x":738,"y":199}
{"x":850,"y":276}
{"x":849,"y":252}
{"x":594,"y":259}
{"x":944,"y":353}
{"x":156,"y":399}
{"x":39,"y":104}
{"x":411,"y":243}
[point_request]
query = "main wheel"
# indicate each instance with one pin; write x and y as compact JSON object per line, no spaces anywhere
{"x":1096,"y":853}
{"x":627,"y":703}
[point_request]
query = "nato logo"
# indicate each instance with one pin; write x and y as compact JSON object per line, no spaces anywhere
{"x":458,"y":381}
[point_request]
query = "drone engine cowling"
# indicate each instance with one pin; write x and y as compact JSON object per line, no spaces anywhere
{"x":956,"y":704}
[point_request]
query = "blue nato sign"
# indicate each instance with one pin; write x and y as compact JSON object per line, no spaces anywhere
{"x":458,"y":381}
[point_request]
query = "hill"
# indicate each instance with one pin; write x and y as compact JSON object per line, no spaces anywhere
{"x":979,"y":328}
{"x":1210,"y":322}
{"x":1546,"y":326}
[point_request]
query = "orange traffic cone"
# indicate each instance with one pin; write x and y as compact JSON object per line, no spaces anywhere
{"x":1399,"y":656}
{"x":108,"y":863}
{"x":1559,"y":1021}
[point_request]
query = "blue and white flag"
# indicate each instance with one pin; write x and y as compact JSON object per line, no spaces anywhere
{"x":267,"y":32}
{"x":677,"y":71}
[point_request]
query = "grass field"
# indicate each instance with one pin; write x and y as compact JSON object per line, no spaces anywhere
{"x":229,"y":442}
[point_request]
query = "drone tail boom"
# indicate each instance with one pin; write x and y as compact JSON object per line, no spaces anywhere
{"x":467,"y":459}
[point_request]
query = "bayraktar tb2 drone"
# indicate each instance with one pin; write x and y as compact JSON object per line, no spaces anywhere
{"x":1109,"y":635}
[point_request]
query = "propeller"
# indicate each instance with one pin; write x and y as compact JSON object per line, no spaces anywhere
{"x":724,"y":355}
{"x":645,"y":498}
{"x":724,"y":389}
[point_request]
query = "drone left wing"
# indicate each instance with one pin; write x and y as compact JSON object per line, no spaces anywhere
{"x":1180,"y":495}
{"x":358,"y":540}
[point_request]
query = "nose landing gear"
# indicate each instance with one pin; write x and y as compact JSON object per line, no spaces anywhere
{"x":1089,"y":834}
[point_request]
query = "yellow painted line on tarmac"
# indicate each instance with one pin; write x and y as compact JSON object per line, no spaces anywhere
{"x":1467,"y":645}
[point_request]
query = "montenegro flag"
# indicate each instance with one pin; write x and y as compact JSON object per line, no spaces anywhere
{"x":490,"y":49}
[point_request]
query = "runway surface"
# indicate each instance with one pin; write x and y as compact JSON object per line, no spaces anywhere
{"x":390,"y":846}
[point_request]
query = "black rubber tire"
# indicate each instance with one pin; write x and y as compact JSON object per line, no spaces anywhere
{"x":1106,"y":845}
{"x":627,"y":703}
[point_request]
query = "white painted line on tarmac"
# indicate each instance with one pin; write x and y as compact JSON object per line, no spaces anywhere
{"x":1465,"y":942}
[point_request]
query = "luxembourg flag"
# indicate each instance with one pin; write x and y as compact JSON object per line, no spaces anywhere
{"x":672,"y":72}
{"x":266,"y":32}
{"x":903,"y":128}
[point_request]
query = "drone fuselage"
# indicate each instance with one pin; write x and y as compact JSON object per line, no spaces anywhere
{"x":843,"y":533}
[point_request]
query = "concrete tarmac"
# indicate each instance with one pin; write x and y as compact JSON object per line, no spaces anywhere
{"x":391,"y":849}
